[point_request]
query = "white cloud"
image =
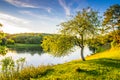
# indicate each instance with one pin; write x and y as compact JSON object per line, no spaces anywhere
{"x":12,"y":19}
{"x":44,"y":23}
{"x":19,"y":3}
{"x":13,"y":24}
{"x":28,"y":13}
{"x":40,"y":23}
{"x":40,"y":17}
{"x":66,"y":8}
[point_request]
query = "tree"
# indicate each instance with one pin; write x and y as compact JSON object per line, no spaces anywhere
{"x":112,"y":20}
{"x":76,"y":31}
{"x":3,"y":49}
{"x":58,"y":45}
{"x":0,"y":33}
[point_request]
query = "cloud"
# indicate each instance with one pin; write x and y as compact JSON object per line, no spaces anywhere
{"x":27,"y":13}
{"x":48,"y":9}
{"x":38,"y":16}
{"x":66,"y":8}
{"x":19,"y":3}
{"x":13,"y":24}
{"x":12,"y":19}
{"x":43,"y":23}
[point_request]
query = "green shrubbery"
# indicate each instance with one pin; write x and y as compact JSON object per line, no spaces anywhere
{"x":25,"y":38}
{"x":10,"y":68}
{"x":10,"y":41}
{"x":3,"y":50}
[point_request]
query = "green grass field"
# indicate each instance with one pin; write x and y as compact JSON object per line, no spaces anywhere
{"x":101,"y":66}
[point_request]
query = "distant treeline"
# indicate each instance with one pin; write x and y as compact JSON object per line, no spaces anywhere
{"x":100,"y":43}
{"x":25,"y":38}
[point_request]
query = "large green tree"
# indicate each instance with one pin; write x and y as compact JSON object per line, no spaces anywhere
{"x":75,"y":31}
{"x":112,"y":20}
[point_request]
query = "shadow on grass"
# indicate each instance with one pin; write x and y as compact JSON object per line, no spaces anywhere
{"x":107,"y":62}
{"x":89,"y":72}
{"x":48,"y":71}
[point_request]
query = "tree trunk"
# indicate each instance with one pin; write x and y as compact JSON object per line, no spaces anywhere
{"x":82,"y":47}
{"x":82,"y":56}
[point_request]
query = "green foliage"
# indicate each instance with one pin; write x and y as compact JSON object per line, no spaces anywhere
{"x":2,"y":37}
{"x":99,"y":43}
{"x":85,"y":23}
{"x":27,"y":38}
{"x":3,"y":41}
{"x":3,"y":50}
{"x":20,"y":64}
{"x":10,"y":68}
{"x":7,"y":68}
{"x":112,"y":21}
{"x":105,"y":65}
{"x":10,"y":41}
{"x":81,"y":27}
{"x":7,"y":65}
{"x":112,"y":15}
{"x":58,"y":45}
{"x":34,"y":72}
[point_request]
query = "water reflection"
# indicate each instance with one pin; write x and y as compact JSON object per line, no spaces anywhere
{"x":34,"y":56}
{"x":30,"y":50}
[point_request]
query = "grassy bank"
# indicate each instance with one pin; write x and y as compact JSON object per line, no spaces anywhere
{"x":101,"y":66}
{"x":113,"y":53}
{"x":24,"y":45}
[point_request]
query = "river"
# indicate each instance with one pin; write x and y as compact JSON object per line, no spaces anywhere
{"x":36,"y":57}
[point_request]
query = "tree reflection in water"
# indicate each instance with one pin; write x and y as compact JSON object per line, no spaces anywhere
{"x":29,"y":49}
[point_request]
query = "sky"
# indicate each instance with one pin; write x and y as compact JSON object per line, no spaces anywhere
{"x":43,"y":16}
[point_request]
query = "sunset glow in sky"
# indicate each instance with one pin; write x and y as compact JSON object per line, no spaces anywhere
{"x":43,"y":15}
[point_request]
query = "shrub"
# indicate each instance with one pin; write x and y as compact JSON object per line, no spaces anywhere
{"x":10,"y":41}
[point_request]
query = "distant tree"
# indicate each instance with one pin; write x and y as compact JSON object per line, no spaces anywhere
{"x":1,"y":33}
{"x":3,"y":49}
{"x":76,"y":31}
{"x":112,"y":20}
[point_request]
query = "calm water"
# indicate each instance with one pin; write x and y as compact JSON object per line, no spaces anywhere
{"x":36,"y":57}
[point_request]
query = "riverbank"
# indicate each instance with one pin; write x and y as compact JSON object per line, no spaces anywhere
{"x":23,"y":45}
{"x":105,"y":65}
{"x":101,"y":66}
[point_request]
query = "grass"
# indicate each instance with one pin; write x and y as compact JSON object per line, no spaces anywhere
{"x":23,"y":45}
{"x":113,"y":53}
{"x":101,"y":66}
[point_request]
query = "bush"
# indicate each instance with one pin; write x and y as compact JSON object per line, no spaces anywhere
{"x":3,"y":50}
{"x":10,"y":41}
{"x":34,"y":72}
{"x":10,"y":68}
